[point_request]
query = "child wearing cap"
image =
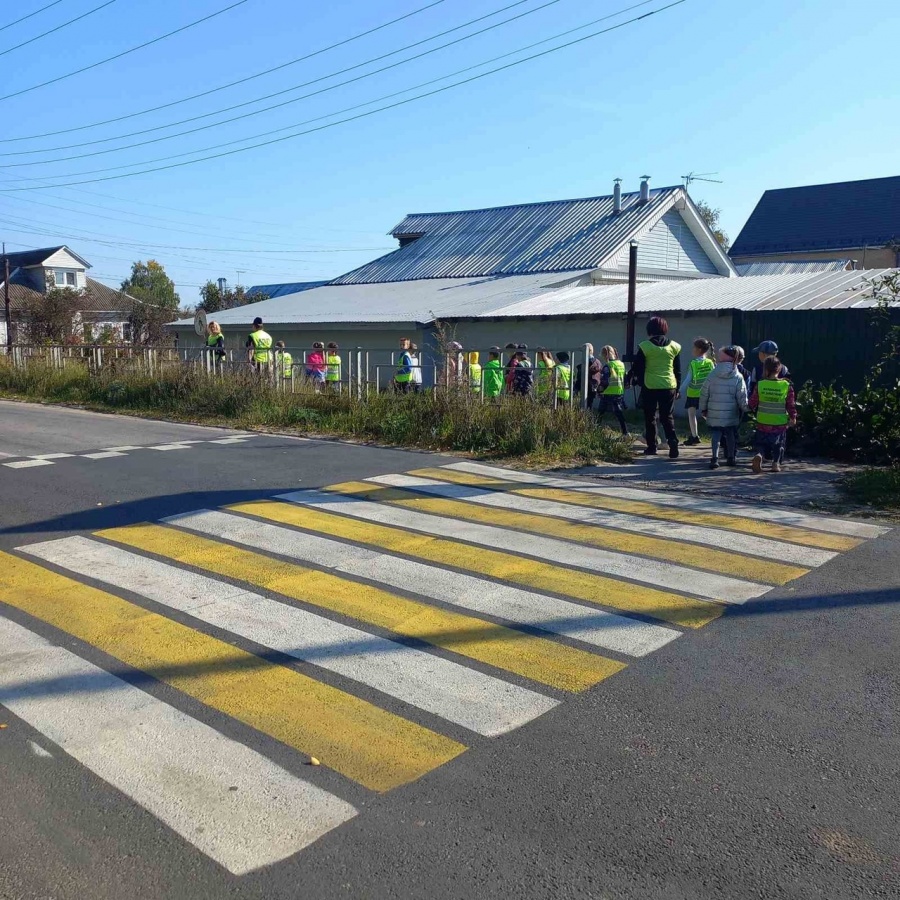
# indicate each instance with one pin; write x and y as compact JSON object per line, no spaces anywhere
{"x":493,"y":374}
{"x":766,"y":350}
{"x":723,"y":400}
{"x":776,"y":411}
{"x":562,"y":376}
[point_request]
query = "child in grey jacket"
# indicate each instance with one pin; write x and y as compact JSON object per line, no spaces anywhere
{"x":723,"y":400}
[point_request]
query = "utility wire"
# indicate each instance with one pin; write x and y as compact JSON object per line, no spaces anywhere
{"x":299,"y":59}
{"x":188,"y":212}
{"x":90,"y":12}
{"x":265,"y":109}
{"x":363,"y":114}
{"x":249,"y":238}
{"x":10,"y":24}
{"x":288,"y":90}
{"x":87,"y":235}
{"x":103,"y":62}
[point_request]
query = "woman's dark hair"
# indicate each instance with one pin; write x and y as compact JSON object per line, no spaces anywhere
{"x":705,"y":345}
{"x":657,"y":326}
{"x":772,"y":367}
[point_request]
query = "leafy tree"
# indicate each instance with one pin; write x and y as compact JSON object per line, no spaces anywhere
{"x":148,"y":323}
{"x":214,"y":300}
{"x":52,"y":318}
{"x":711,"y":215}
{"x":149,"y":283}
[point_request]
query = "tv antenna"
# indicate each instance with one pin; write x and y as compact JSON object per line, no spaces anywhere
{"x":239,"y":273}
{"x":700,"y":176}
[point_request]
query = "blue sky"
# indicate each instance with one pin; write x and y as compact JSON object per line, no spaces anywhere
{"x":767,"y":94}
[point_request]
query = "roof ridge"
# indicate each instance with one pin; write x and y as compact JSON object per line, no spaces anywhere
{"x":456,"y":212}
{"x":800,"y":187}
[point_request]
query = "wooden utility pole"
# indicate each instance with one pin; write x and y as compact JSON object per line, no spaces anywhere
{"x":9,"y":341}
{"x":632,"y":299}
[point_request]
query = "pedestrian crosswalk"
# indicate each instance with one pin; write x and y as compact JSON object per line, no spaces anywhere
{"x":384,"y":627}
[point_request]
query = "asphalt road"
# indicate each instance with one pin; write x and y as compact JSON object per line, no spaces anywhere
{"x":754,"y":757}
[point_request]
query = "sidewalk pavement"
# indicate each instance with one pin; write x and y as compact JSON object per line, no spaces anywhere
{"x":810,"y":483}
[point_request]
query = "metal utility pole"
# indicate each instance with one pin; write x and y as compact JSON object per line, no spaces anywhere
{"x":632,"y":299}
{"x":9,"y":341}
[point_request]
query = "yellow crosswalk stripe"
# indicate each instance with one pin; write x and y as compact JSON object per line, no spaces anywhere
{"x":713,"y":560}
{"x":376,"y":748}
{"x":535,"y":658}
{"x":651,"y":510}
{"x":496,"y":564}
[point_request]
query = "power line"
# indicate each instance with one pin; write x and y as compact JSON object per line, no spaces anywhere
{"x":103,"y":62}
{"x":231,"y":84}
{"x":265,"y":109}
{"x":364,"y":114}
{"x":30,"y":15}
{"x":90,"y":12}
{"x":189,"y":212}
{"x":295,"y":87}
{"x":261,"y":238}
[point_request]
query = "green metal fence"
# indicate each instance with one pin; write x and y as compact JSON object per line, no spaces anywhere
{"x":822,"y":346}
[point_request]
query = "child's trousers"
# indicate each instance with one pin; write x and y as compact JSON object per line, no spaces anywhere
{"x":730,"y":436}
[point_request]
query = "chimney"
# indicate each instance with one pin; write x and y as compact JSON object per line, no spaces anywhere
{"x":645,"y":189}
{"x":221,"y":283}
{"x":617,"y":196}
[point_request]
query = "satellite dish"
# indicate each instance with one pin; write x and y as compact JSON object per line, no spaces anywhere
{"x":200,"y":322}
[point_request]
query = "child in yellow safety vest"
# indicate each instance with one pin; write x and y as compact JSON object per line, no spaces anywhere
{"x":283,"y":361}
{"x":543,"y":383}
{"x":698,"y":371}
{"x":332,"y":367}
{"x":474,"y":372}
{"x":493,"y":374}
{"x":776,"y":411}
{"x":612,"y":387}
{"x":562,"y":375}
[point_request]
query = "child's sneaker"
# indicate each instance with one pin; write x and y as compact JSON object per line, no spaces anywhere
{"x":714,"y":464}
{"x":691,"y":442}
{"x":731,"y":462}
{"x":756,"y":464}
{"x":776,"y":466}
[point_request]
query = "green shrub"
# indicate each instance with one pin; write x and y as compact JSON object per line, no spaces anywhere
{"x":875,"y":487}
{"x":851,"y":426}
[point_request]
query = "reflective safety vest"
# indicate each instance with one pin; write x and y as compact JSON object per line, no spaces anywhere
{"x":262,"y":344}
{"x":404,"y":372}
{"x":332,"y":367}
{"x":659,"y":374}
{"x":287,"y":364}
{"x":563,"y":381}
{"x":212,"y":340}
{"x":544,"y":378}
{"x":493,"y":378}
{"x":700,"y":370}
{"x":772,"y":409}
{"x":475,"y":377}
{"x":616,"y":386}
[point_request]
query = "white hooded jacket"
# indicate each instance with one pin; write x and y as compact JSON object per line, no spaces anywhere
{"x":723,"y":397}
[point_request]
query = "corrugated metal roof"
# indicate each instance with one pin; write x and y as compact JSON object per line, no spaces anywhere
{"x":282,"y":290}
{"x":401,"y":302}
{"x":557,"y":236}
{"x":842,"y":216}
{"x":829,"y":290}
{"x":792,"y":268}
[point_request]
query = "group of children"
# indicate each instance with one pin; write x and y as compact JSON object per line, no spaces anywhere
{"x":722,"y":391}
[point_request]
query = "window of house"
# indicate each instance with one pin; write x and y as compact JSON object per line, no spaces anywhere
{"x":64,"y":278}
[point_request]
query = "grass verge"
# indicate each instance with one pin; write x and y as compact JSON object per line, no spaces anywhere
{"x":874,"y":487}
{"x":451,"y":420}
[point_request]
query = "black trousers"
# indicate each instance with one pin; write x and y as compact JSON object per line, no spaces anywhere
{"x":662,"y":402}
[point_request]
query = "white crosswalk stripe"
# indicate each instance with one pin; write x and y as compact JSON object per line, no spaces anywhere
{"x":467,"y":697}
{"x":620,"y":565}
{"x":227,"y":800}
{"x":683,"y":501}
{"x":743,"y":543}
{"x":590,"y":625}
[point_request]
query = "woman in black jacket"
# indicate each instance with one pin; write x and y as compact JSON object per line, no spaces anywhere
{"x":657,"y":369}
